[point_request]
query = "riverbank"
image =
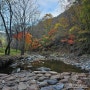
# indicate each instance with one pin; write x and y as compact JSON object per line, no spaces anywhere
{"x":82,"y":62}
{"x":46,"y":79}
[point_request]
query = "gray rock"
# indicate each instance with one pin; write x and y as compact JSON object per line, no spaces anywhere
{"x":14,"y":88}
{"x":3,"y":74}
{"x":74,"y":77}
{"x":47,"y":88}
{"x":42,"y":78}
{"x":33,"y":81}
{"x":39,"y":75}
{"x":87,"y":81}
{"x":79,"y":89}
{"x":22,"y":86}
{"x":29,"y":66}
{"x":66,"y":77}
{"x":55,"y":77}
{"x":33,"y":87}
{"x":43,"y":69}
{"x":47,"y":75}
{"x":64,"y":80}
{"x":53,"y":72}
{"x":14,"y":65}
{"x":10,"y":84}
{"x":16,"y":70}
{"x":3,"y":81}
{"x":42,"y":84}
{"x":37,"y":72}
{"x":11,"y":78}
{"x":6,"y":88}
{"x":23,"y":79}
{"x":59,"y":86}
{"x":52,"y":81}
{"x":29,"y":58}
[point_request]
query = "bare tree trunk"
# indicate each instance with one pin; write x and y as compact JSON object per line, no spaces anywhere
{"x":16,"y":40}
{"x":7,"y":50}
{"x":23,"y":44}
{"x":9,"y":36}
{"x":23,"y":36}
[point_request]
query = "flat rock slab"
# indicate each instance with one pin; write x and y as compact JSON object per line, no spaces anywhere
{"x":52,"y":81}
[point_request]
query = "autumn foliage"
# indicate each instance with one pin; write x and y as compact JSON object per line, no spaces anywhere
{"x":30,"y":42}
{"x":70,"y":40}
{"x":19,"y":36}
{"x":35,"y":44}
{"x":28,"y":38}
{"x":52,"y":32}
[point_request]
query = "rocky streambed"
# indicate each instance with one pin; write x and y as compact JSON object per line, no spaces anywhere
{"x":44,"y":80}
{"x":23,"y":76}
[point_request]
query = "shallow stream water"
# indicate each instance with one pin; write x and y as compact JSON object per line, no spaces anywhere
{"x":54,"y":65}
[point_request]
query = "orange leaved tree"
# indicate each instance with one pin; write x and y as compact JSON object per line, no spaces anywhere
{"x":35,"y":44}
{"x":28,"y":39}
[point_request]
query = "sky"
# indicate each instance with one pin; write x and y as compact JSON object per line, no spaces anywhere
{"x":55,"y":7}
{"x":49,"y":6}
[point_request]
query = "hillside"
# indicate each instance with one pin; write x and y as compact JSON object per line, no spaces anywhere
{"x":74,"y":21}
{"x":39,"y":30}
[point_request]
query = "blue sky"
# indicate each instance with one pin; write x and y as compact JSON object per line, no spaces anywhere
{"x":49,"y":6}
{"x":55,"y":7}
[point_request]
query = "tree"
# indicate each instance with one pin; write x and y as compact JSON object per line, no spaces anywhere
{"x":24,"y":12}
{"x":81,"y":25}
{"x":18,"y":37}
{"x":47,"y":21}
{"x":84,"y":33}
{"x":79,"y":19}
{"x":6,"y":11}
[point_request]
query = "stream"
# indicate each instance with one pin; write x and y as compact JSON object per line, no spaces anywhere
{"x":53,"y":65}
